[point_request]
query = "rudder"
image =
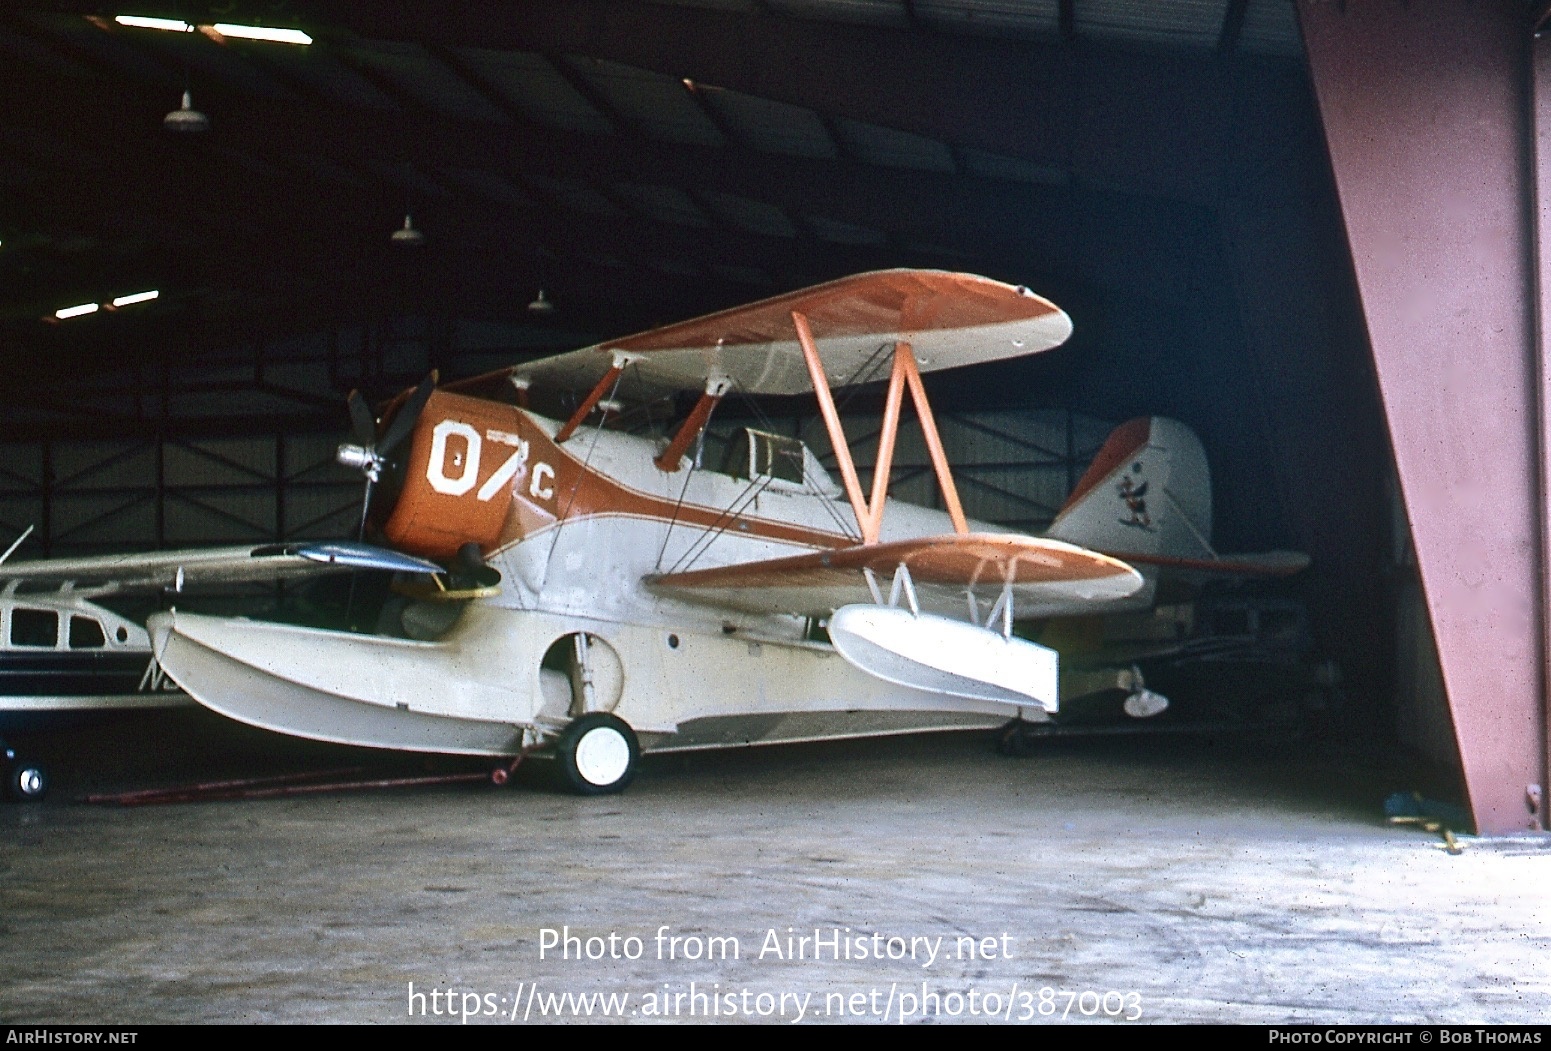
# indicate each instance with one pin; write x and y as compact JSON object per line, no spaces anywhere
{"x":1148,"y":491}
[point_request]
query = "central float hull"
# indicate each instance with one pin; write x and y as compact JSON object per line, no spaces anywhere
{"x":482,"y":690}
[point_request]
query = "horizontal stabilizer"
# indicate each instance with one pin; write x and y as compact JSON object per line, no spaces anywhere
{"x":1147,"y":498}
{"x":224,"y":565}
{"x":1047,"y":576}
{"x":1259,"y":564}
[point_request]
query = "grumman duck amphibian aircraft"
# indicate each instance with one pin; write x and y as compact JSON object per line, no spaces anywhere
{"x":617,"y":596}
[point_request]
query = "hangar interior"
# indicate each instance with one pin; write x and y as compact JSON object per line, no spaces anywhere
{"x":576,"y":171}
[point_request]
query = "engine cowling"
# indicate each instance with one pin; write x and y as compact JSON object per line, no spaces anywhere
{"x":464,"y":459}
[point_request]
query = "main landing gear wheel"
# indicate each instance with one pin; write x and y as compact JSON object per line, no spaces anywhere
{"x":27,"y":782}
{"x":598,"y":754}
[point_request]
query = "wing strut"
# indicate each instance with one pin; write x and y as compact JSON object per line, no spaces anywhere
{"x":602,"y":387}
{"x":869,"y":513}
{"x":715,"y":387}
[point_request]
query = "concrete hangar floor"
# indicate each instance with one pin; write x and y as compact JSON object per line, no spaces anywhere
{"x":1165,"y":879}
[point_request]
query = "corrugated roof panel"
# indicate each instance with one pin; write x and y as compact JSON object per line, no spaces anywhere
{"x":673,"y":265}
{"x":1000,"y":17}
{"x":655,"y":103}
{"x":747,"y":7}
{"x":51,"y":154}
{"x":1271,"y":28}
{"x":836,"y":232}
{"x":23,"y":48}
{"x":198,"y":52}
{"x":867,"y":12}
{"x":327,"y":170}
{"x":774,"y":127}
{"x":319,"y":71}
{"x":255,"y":164}
{"x":104,"y":45}
{"x":1012,"y":169}
{"x":413,"y":71}
{"x":408,"y":177}
{"x":934,"y":248}
{"x":748,"y":214}
{"x":493,"y":186}
{"x":743,"y":275}
{"x":666,"y":204}
{"x":535,"y":87}
{"x":1197,"y":23}
{"x":17,"y":176}
{"x":892,"y":148}
{"x":607,"y":262}
{"x":574,"y":195}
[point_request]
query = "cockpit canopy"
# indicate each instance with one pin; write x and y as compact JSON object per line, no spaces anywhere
{"x":780,"y":461}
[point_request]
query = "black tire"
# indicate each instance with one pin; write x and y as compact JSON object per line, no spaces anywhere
{"x":26,"y":782}
{"x":597,"y":754}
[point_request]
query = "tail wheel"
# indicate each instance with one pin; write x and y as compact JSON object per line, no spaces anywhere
{"x":598,"y":754}
{"x":27,"y":782}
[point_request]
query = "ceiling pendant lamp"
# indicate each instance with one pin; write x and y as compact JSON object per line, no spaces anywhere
{"x":186,"y":119}
{"x":406,"y":235}
{"x":541,"y":304}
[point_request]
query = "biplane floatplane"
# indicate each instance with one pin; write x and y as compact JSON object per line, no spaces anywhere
{"x":615,"y":595}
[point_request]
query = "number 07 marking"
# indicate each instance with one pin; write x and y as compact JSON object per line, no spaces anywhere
{"x":467,"y":465}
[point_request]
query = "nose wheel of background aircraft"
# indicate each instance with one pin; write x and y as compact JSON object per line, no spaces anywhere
{"x":598,"y":754}
{"x":24,"y":781}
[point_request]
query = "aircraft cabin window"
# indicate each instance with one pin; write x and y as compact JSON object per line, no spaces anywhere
{"x":86,"y":634}
{"x":34,"y":627}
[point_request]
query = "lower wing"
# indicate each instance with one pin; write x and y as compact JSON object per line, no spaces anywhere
{"x":948,"y":574}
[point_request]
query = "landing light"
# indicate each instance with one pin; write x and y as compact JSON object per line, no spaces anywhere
{"x":77,"y":311}
{"x":138,"y":297}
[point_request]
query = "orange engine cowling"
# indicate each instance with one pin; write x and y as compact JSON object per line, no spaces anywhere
{"x":464,"y":458}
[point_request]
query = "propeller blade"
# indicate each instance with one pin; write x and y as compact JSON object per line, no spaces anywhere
{"x":363,"y":425}
{"x":405,"y":421}
{"x":366,"y":507}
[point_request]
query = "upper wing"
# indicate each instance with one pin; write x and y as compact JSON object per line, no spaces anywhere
{"x":222,"y":565}
{"x":949,"y":319}
{"x":1047,"y":576}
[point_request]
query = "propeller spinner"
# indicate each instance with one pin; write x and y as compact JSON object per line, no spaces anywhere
{"x":371,"y":455}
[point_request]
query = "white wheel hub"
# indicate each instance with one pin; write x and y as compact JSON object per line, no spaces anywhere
{"x":602,"y":756}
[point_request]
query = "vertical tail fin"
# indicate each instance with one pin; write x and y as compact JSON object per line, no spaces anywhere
{"x":1147,"y":492}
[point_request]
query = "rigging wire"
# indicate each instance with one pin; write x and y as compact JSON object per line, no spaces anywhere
{"x":723,"y":521}
{"x":694,"y":465}
{"x":581,"y":477}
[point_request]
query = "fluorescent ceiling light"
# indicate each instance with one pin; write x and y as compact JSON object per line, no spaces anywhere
{"x":138,"y":297}
{"x":84,"y":308}
{"x":177,"y":25}
{"x":279,"y":36}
